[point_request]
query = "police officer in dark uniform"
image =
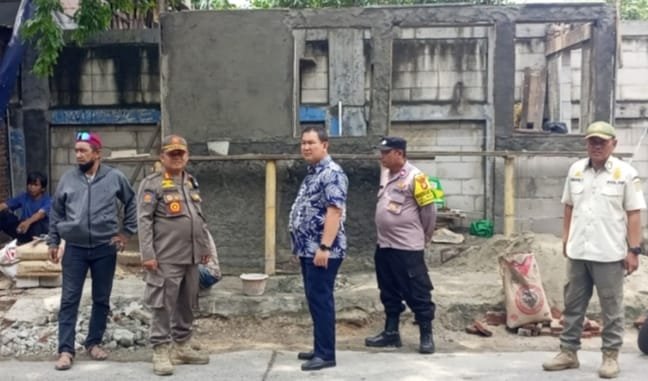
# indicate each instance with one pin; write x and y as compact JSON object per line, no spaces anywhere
{"x":405,"y":219}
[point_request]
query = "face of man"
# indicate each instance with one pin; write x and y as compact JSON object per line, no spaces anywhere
{"x":599,"y":150}
{"x":392,"y":159}
{"x":174,"y":162}
{"x":35,"y":189}
{"x":86,"y":156}
{"x":313,"y":150}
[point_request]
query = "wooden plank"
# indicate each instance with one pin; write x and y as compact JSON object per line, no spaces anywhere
{"x":586,"y":96}
{"x":568,"y":39}
{"x":533,"y":98}
{"x":553,"y":87}
{"x":346,"y":67}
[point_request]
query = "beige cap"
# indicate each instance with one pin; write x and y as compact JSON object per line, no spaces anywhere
{"x":601,"y":130}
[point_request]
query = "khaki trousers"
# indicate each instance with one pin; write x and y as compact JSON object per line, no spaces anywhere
{"x":582,"y":277}
{"x":171,"y":292}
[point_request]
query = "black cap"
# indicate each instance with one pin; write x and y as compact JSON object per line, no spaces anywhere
{"x":392,"y":142}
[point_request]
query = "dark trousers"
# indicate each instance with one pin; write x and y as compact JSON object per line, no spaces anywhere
{"x":403,"y":276}
{"x":9,"y":222}
{"x":101,"y":262}
{"x":319,"y":283}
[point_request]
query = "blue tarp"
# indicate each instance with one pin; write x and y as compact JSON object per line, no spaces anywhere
{"x":13,"y":56}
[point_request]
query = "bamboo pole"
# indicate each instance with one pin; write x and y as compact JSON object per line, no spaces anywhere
{"x":509,"y":196}
{"x":270,"y":216}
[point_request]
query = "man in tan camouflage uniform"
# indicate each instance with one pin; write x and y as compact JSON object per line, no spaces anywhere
{"x":174,"y":240}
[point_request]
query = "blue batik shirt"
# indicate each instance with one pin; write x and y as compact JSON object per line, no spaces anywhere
{"x":325,"y":185}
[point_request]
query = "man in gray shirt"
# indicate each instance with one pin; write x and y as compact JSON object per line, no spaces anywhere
{"x":85,"y":214}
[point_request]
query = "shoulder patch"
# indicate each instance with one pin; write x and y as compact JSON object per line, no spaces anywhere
{"x":423,"y":193}
{"x":148,"y":196}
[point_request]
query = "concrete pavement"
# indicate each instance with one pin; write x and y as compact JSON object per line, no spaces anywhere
{"x":266,"y":365}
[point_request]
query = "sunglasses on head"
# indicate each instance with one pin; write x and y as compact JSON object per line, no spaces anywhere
{"x":83,"y":136}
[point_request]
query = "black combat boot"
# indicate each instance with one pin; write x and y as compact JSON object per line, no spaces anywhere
{"x":387,"y":338}
{"x":427,"y":341}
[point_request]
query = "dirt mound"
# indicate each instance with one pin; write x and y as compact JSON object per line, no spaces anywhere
{"x":479,"y":255}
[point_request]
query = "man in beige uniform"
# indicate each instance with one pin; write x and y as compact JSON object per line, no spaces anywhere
{"x":602,"y":241}
{"x":405,"y":219}
{"x":173,"y":239}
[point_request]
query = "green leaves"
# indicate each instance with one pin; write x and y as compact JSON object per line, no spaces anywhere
{"x":93,"y":16}
{"x":46,"y":35}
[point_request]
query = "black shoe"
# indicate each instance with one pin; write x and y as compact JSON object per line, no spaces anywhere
{"x":317,"y":363}
{"x":306,"y":355}
{"x":384,"y":339}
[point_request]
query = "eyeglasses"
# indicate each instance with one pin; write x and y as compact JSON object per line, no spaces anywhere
{"x":83,"y":136}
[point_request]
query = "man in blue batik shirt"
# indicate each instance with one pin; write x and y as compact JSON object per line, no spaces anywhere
{"x":316,"y":228}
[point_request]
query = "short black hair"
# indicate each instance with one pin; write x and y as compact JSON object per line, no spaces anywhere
{"x":35,"y":176}
{"x":322,"y":134}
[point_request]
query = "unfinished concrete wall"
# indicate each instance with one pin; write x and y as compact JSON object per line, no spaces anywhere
{"x":107,"y":76}
{"x":122,"y":137}
{"x":540,"y":181}
{"x":405,"y":72}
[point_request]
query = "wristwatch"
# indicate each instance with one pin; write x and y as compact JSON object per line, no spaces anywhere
{"x":636,"y":250}
{"x":323,"y":247}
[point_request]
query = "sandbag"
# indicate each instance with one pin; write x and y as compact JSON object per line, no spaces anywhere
{"x":9,"y":260}
{"x":525,"y":298}
{"x":33,"y":251}
{"x":34,"y":268}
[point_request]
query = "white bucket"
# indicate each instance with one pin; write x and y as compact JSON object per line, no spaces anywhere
{"x":254,"y":283}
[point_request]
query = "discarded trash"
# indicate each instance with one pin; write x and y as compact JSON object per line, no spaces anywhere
{"x":482,"y":228}
{"x":444,"y":235}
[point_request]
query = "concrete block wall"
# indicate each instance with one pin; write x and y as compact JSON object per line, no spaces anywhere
{"x":114,"y":138}
{"x":440,"y":64}
{"x":539,"y":181}
{"x":314,"y":78}
{"x":107,"y":76}
{"x":462,"y":177}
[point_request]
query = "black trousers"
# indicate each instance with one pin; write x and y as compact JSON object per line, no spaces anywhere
{"x":9,"y":222}
{"x":403,"y":277}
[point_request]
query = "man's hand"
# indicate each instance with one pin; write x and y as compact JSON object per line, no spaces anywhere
{"x":53,"y":254}
{"x":204,"y":259}
{"x":321,"y":258}
{"x":631,"y":263}
{"x":23,"y":227}
{"x":150,"y":265}
{"x":119,"y":241}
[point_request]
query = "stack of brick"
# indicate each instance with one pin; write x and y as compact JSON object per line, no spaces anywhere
{"x":35,"y":269}
{"x":591,"y":328}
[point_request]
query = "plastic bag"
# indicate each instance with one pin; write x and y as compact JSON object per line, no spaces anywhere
{"x":9,"y":260}
{"x":482,"y":228}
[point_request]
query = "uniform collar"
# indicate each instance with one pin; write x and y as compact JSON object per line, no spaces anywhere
{"x":608,"y":166}
{"x":317,"y":167}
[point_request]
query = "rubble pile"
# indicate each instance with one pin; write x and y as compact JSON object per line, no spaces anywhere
{"x":128,"y":327}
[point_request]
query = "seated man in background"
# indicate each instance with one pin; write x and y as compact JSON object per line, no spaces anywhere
{"x":34,"y":205}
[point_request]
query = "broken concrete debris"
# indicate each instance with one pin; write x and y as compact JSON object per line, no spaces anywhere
{"x":128,"y":328}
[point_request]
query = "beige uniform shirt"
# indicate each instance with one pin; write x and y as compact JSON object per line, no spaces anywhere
{"x":171,"y":224}
{"x":600,"y":200}
{"x":401,"y":222}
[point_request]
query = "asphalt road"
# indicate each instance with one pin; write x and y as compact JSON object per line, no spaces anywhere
{"x":269,"y":365}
